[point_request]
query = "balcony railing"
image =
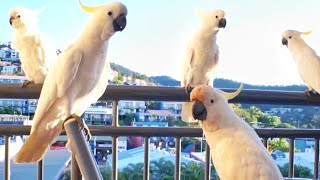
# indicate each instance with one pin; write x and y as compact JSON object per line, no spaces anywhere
{"x":141,"y":93}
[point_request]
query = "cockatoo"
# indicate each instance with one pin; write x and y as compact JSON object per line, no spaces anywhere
{"x":76,"y":80}
{"x":202,"y":56}
{"x":236,"y":150}
{"x":35,"y":51}
{"x":307,"y":60}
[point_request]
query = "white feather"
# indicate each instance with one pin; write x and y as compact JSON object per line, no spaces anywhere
{"x":76,"y":80}
{"x":236,"y":150}
{"x":35,"y":51}
{"x":307,"y":61}
{"x":201,"y":57}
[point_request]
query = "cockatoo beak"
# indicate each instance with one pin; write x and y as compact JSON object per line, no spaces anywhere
{"x":199,"y":111}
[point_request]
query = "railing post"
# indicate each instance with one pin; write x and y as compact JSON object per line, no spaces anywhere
{"x":146,"y":169}
{"x":7,"y":158}
{"x":316,"y":159}
{"x":40,"y":169}
{"x":178,"y":158}
{"x":207,"y":175}
{"x":114,"y":141}
{"x":79,"y":147}
{"x":265,"y":142}
{"x":75,"y":171}
{"x":291,"y":157}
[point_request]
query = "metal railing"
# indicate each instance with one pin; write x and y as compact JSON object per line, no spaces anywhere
{"x":144,"y":93}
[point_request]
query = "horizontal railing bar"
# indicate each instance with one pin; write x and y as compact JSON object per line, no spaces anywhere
{"x":168,"y":131}
{"x":161,"y":93}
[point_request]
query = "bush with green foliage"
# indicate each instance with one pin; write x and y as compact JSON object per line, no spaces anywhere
{"x":9,"y":110}
{"x":299,"y":171}
{"x":159,"y":170}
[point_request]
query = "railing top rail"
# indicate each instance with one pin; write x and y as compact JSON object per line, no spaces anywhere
{"x":161,"y":93}
{"x":169,"y":131}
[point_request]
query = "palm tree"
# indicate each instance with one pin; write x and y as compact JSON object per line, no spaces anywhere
{"x":192,"y":170}
{"x":132,"y":171}
{"x":161,"y":169}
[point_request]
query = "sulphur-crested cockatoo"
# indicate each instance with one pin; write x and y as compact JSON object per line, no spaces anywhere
{"x":236,"y":150}
{"x":202,"y":56}
{"x":307,"y":60}
{"x":76,"y":80}
{"x":35,"y":51}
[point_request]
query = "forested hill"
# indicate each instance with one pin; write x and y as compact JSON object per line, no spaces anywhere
{"x":226,"y":83}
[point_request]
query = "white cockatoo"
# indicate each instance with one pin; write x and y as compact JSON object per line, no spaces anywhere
{"x":236,"y":150}
{"x":202,"y":56}
{"x":307,"y":60}
{"x":35,"y":51}
{"x":76,"y":80}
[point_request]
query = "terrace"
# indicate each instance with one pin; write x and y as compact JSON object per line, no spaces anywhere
{"x":117,"y":93}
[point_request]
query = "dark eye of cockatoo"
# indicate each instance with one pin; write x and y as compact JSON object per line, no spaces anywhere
{"x":217,"y":17}
{"x":290,"y":37}
{"x":212,"y":101}
{"x":110,"y":13}
{"x":18,"y":16}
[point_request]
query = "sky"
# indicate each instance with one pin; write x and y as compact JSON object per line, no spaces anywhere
{"x":155,"y":39}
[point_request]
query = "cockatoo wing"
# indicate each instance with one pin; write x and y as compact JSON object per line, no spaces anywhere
{"x":57,"y":81}
{"x":187,"y":66}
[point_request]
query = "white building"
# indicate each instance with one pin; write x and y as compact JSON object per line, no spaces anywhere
{"x":11,"y":69}
{"x":156,"y":115}
{"x":174,"y":107}
{"x":98,"y":115}
{"x":283,"y":110}
{"x":20,"y":104}
{"x":9,"y":119}
{"x":9,"y":55}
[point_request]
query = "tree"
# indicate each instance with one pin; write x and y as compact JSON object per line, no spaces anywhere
{"x":153,"y":105}
{"x":244,"y":114}
{"x":129,"y":117}
{"x":315,"y":121}
{"x":132,"y":171}
{"x":279,"y":144}
{"x":284,"y":125}
{"x":299,"y":171}
{"x":9,"y":110}
{"x":192,"y":170}
{"x":255,"y":112}
{"x":269,"y":121}
{"x":118,"y":79}
{"x":161,"y":169}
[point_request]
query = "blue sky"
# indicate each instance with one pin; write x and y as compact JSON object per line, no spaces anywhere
{"x":155,"y":39}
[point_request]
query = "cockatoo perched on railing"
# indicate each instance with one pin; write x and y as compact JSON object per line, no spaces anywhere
{"x":236,"y":150}
{"x":76,"y":80}
{"x":35,"y":51}
{"x":307,"y":60}
{"x":202,"y":56}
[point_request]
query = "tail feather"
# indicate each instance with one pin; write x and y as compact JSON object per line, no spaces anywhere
{"x":186,"y":113}
{"x":35,"y":147}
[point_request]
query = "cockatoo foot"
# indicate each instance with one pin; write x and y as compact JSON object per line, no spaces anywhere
{"x":311,"y":92}
{"x":188,"y":89}
{"x":82,"y":125}
{"x":26,"y":83}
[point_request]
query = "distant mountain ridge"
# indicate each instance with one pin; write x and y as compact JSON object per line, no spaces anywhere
{"x":226,"y":83}
{"x":218,"y":82}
